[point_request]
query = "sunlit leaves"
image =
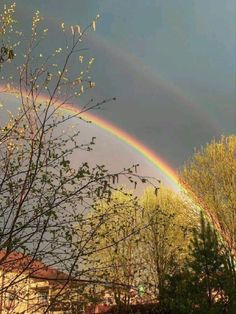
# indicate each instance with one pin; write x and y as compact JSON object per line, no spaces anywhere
{"x":167,"y":237}
{"x":44,"y":198}
{"x":94,"y":22}
{"x":211,"y":175}
{"x":115,"y":256}
{"x":94,"y":25}
{"x":7,"y":22}
{"x":6,"y":18}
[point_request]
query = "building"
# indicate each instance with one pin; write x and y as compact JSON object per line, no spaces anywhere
{"x":28,"y":286}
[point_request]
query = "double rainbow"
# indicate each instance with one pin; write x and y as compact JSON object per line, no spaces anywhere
{"x":152,"y":157}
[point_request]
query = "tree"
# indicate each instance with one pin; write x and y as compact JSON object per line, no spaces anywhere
{"x":43,"y":198}
{"x":204,"y":283}
{"x":167,"y":237}
{"x":117,"y":256}
{"x":207,"y":268}
{"x":151,"y":237}
{"x":211,"y":175}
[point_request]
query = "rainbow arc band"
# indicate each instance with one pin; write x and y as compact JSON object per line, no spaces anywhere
{"x":190,"y":196}
{"x":128,"y":139}
{"x":107,"y":126}
{"x":196,"y":202}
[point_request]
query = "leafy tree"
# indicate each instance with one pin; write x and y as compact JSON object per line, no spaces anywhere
{"x":204,"y":284}
{"x":117,"y":256}
{"x":43,"y":198}
{"x":211,"y":175}
{"x":151,"y":240}
{"x":207,"y":268}
{"x":167,"y":237}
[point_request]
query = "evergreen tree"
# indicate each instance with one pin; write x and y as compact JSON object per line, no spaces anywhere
{"x":205,"y":284}
{"x":207,"y":268}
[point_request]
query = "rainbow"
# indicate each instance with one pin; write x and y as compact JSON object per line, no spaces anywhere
{"x":107,"y":126}
{"x":152,"y":157}
{"x":196,"y":202}
{"x":128,"y":139}
{"x":123,"y":136}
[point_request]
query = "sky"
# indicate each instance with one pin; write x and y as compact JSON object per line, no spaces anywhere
{"x":170,"y":63}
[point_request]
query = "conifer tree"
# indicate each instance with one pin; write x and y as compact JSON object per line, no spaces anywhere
{"x":205,"y":283}
{"x":207,"y":268}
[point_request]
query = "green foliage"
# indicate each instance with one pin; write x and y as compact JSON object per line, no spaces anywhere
{"x":116,"y":257}
{"x":207,"y":269}
{"x":78,"y":220}
{"x":204,"y":285}
{"x":44,"y":199}
{"x":166,"y":240}
{"x":211,"y":175}
{"x":140,"y":242}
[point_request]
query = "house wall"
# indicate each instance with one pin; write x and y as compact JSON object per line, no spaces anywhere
{"x":20,"y":294}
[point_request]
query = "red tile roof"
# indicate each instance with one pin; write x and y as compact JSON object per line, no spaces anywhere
{"x":18,"y":262}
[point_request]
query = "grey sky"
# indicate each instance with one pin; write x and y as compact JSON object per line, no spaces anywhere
{"x":170,"y":63}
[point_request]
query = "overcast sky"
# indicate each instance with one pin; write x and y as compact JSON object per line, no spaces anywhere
{"x":170,"y":63}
